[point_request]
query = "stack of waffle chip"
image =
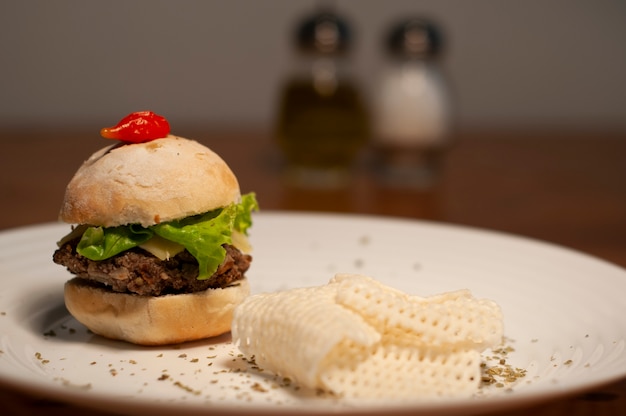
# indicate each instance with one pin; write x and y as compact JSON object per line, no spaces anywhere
{"x":358,"y":338}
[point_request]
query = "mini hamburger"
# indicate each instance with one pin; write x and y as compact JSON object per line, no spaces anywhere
{"x":158,"y":244}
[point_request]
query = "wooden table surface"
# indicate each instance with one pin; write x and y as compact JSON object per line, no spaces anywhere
{"x":562,"y":187}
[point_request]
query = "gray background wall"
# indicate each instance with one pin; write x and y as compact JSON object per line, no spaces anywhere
{"x":513,"y":64}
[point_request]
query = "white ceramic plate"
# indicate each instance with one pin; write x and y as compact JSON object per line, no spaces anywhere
{"x":564,"y":317}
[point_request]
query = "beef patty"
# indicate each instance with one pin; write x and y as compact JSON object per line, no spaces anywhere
{"x":138,"y":271}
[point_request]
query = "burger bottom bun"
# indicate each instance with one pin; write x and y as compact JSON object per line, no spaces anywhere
{"x":154,"y":320}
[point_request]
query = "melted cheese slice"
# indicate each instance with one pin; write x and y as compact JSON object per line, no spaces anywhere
{"x":161,"y":248}
{"x":240,"y":241}
{"x":165,"y":249}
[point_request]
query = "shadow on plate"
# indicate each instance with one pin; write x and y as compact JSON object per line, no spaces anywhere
{"x":45,"y":315}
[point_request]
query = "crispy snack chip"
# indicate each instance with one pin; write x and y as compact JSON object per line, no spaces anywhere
{"x":453,"y":320}
{"x":358,"y":338}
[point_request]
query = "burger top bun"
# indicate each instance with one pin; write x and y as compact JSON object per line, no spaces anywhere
{"x":148,"y":183}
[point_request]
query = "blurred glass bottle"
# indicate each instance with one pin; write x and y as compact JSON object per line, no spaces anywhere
{"x":412,"y":107}
{"x":322,"y":121}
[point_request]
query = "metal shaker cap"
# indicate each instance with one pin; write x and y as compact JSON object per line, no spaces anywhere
{"x":416,"y":38}
{"x":323,"y":32}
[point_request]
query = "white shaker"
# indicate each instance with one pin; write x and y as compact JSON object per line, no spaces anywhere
{"x":412,"y":111}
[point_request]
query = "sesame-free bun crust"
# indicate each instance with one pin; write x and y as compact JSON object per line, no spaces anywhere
{"x":148,"y":183}
{"x":154,"y":320}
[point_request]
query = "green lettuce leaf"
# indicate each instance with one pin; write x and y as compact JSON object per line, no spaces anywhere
{"x":243,"y":221}
{"x":98,"y":243}
{"x":202,"y":235}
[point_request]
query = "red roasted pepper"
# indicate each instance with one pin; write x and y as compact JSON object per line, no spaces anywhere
{"x":138,"y":127}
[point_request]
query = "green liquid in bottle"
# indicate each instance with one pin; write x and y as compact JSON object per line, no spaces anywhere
{"x":321,"y":129}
